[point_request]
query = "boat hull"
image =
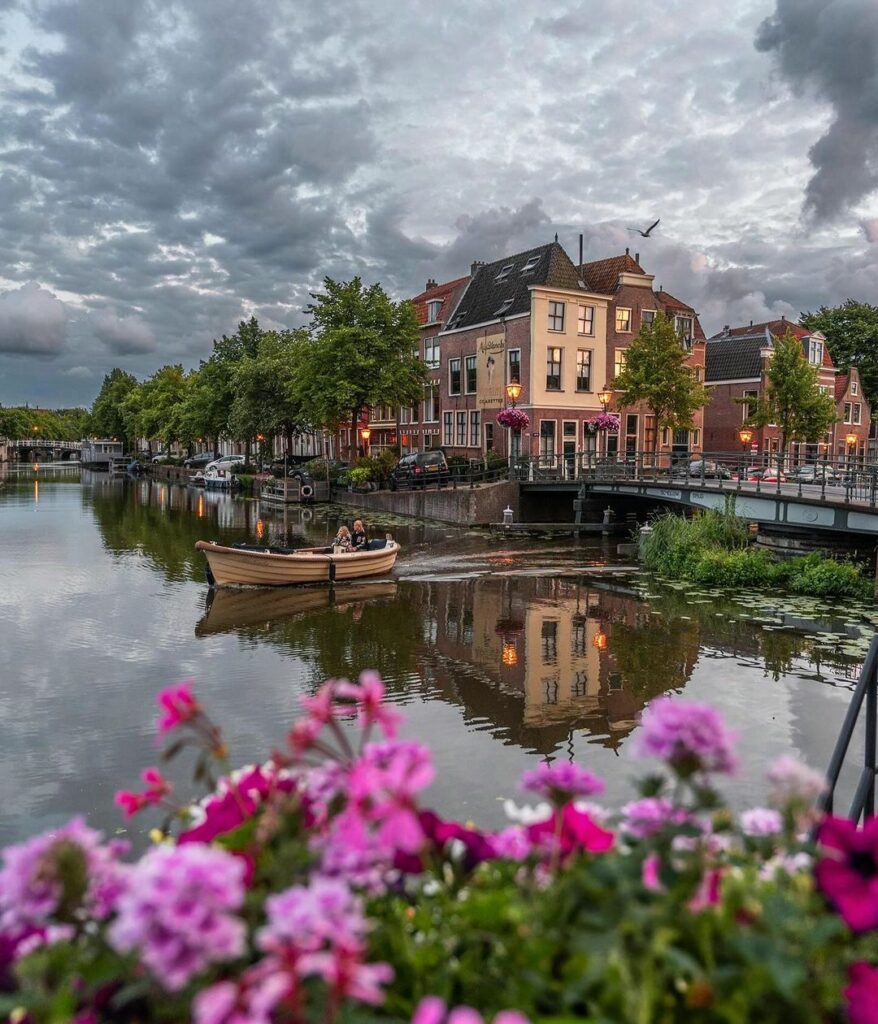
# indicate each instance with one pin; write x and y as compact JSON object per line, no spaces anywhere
{"x":233,"y":567}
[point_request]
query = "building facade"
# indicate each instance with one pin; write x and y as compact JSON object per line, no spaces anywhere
{"x":634,"y":302}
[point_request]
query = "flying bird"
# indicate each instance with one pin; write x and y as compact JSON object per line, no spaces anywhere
{"x":646,"y":233}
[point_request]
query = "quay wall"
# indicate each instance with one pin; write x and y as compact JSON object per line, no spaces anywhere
{"x":478,"y":506}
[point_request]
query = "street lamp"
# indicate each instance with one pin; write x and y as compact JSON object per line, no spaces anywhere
{"x":745,"y":436}
{"x":513,"y":391}
{"x":605,"y":397}
{"x":600,"y":641}
{"x":851,"y":440}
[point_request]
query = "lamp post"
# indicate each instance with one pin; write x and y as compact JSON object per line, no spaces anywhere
{"x":365,"y":434}
{"x":513,"y":392}
{"x":605,"y":397}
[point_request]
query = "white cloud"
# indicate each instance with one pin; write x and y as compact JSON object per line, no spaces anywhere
{"x":33,"y":322}
{"x":83,"y":372}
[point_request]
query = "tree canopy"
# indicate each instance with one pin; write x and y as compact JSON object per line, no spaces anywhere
{"x":656,"y":374}
{"x":105,"y":418}
{"x":792,"y":399}
{"x":18,"y":423}
{"x":851,"y":332}
{"x":362,"y":352}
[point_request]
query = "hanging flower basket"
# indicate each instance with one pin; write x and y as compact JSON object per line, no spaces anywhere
{"x":608,"y":421}
{"x":515,"y":419}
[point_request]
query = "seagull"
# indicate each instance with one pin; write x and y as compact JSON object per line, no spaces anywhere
{"x":646,"y":233}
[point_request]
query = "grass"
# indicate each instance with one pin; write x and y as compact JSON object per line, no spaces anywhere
{"x":712,"y":549}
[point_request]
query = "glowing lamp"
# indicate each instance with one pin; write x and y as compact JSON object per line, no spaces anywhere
{"x":745,"y":435}
{"x":365,"y":433}
{"x":510,"y":654}
{"x":513,"y":391}
{"x":600,"y":641}
{"x":604,"y":397}
{"x":851,"y":439}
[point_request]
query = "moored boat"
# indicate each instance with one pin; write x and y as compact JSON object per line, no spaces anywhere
{"x":266,"y":567}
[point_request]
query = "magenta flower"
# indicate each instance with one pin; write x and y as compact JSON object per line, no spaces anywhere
{"x":847,"y":874}
{"x":157,"y":788}
{"x":708,"y":893}
{"x":862,"y":994}
{"x":176,"y":911}
{"x":346,"y":974}
{"x":513,"y":419}
{"x":32,"y":879}
{"x":761,"y":821}
{"x":645,"y":818}
{"x":561,"y":783}
{"x":178,"y":705}
{"x":579,"y":833}
{"x":432,"y":1010}
{"x":688,"y":736}
{"x":650,"y":873}
{"x":305,"y":918}
{"x":252,"y":1001}
{"x":323,"y":706}
{"x":372,"y":708}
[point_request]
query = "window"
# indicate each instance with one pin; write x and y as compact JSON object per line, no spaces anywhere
{"x":855,"y":388}
{"x":547,"y":441}
{"x":619,"y":358}
{"x":531,"y":263}
{"x":447,"y":435}
{"x":457,"y":319}
{"x":433,"y":308}
{"x":461,"y":429}
{"x":696,"y":438}
{"x":858,"y":413}
{"x":431,"y":352}
{"x":683,"y":325}
{"x":414,"y":412}
{"x":749,"y":404}
{"x":454,"y":376}
{"x":556,"y":316}
{"x":847,"y":412}
{"x":470,"y":374}
{"x":504,"y":308}
{"x":583,"y":369}
{"x":649,"y":433}
{"x":815,"y":352}
{"x":489,"y":437}
{"x":586,"y":320}
{"x":553,"y":369}
{"x":475,"y":430}
{"x":404,"y":415}
{"x":647,"y":317}
{"x":505,"y":272}
{"x":431,"y":404}
{"x":514,"y":366}
{"x":428,"y":441}
{"x":623,"y":320}
{"x":549,"y":642}
{"x":666,"y":436}
{"x":699,"y":374}
{"x":631,"y":434}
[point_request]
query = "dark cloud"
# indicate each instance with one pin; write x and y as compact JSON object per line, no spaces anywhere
{"x":33,"y":322}
{"x":831,"y":46}
{"x":122,"y":335}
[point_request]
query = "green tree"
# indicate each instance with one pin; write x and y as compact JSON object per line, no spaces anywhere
{"x":106,"y":418}
{"x":655,"y":374}
{"x":792,"y":399}
{"x":363,"y":352}
{"x":155,"y":409}
{"x":851,"y":332}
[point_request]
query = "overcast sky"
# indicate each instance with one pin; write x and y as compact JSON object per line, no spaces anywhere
{"x":168,"y":167}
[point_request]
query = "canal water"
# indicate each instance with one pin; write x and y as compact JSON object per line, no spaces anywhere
{"x":502,"y":654}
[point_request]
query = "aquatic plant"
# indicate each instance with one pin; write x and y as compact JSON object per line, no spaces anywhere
{"x":316,"y":887}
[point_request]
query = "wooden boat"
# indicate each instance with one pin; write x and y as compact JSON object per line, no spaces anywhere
{"x":266,"y":567}
{"x":231,"y":611}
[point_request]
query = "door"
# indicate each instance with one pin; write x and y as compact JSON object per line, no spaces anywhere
{"x":547,"y":444}
{"x":680,"y":446}
{"x":631,"y":435}
{"x":568,"y":441}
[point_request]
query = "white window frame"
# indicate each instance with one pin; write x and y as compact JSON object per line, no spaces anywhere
{"x":815,"y":352}
{"x":550,"y":350}
{"x":746,"y":409}
{"x":647,"y":312}
{"x":448,"y":429}
{"x":475,"y":429}
{"x":509,"y":361}
{"x":858,"y":414}
{"x":855,"y":389}
{"x":620,"y":358}
{"x":431,"y":351}
{"x":681,"y":321}
{"x":434,"y":308}
{"x":620,"y":310}
{"x":590,"y":353}
{"x":431,"y":403}
{"x":554,"y":316}
{"x":470,"y":362}
{"x":460,"y":432}
{"x":848,"y":409}
{"x":585,"y":323}
{"x":451,"y":362}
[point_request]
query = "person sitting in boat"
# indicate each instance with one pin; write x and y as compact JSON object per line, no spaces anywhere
{"x":359,"y":541}
{"x":342,"y":539}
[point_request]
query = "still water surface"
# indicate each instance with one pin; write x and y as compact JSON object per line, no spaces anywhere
{"x":501,"y":654}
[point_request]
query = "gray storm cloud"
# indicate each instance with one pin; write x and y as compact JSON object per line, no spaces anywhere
{"x":122,"y":335}
{"x":33,"y":322}
{"x":831,"y":47}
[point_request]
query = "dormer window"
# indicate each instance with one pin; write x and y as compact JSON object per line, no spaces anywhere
{"x":683,"y":325}
{"x":855,"y":388}
{"x":504,"y":309}
{"x":531,"y":263}
{"x":505,"y":272}
{"x":458,"y":317}
{"x":433,"y":309}
{"x":815,"y":352}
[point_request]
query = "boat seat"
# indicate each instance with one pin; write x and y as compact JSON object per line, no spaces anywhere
{"x":272,"y":549}
{"x":376,"y":545}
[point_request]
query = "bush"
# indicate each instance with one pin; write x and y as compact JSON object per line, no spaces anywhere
{"x":360,"y":476}
{"x":316,"y":469}
{"x":711,"y":549}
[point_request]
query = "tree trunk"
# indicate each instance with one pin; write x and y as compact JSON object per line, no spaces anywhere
{"x":352,"y":447}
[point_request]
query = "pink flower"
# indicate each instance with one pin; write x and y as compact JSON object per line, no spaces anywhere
{"x":561,"y":783}
{"x":848,"y":872}
{"x":511,"y":843}
{"x":761,"y":821}
{"x":689,"y":736}
{"x":708,"y":892}
{"x":371,"y":706}
{"x":237,"y":798}
{"x":179,"y":706}
{"x":579,"y":832}
{"x":251,"y":1001}
{"x":432,"y":1010}
{"x":157,"y":789}
{"x":322,"y":707}
{"x":862,"y":994}
{"x":306,"y":918}
{"x":793,"y":781}
{"x":647,"y":817}
{"x":175,"y":911}
{"x":346,"y":974}
{"x":650,"y":873}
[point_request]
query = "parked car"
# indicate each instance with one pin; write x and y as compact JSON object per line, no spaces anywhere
{"x":200,"y":461}
{"x":162,"y":457}
{"x":709,"y":470}
{"x":765,"y":474}
{"x":226,"y":462}
{"x":419,"y":468}
{"x":814,"y":474}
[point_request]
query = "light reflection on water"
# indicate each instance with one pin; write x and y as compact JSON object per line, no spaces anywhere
{"x":500,"y":653}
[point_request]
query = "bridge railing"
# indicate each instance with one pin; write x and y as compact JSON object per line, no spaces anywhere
{"x":846,"y":480}
{"x":865,"y":696}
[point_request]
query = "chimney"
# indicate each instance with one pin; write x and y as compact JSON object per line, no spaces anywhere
{"x":626,"y":250}
{"x":637,"y":257}
{"x":556,"y":236}
{"x":430,"y":284}
{"x":783,"y":316}
{"x":726,"y":330}
{"x":474,"y":266}
{"x":580,"y":248}
{"x":751,"y":323}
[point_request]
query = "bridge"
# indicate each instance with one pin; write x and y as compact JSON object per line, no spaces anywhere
{"x":828,"y":496}
{"x":59,"y":450}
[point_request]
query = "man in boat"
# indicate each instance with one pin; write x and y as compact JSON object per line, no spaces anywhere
{"x":359,"y":540}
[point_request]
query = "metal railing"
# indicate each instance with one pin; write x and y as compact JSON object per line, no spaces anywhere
{"x":838,"y":480}
{"x":863,"y":804}
{"x":456,"y":476}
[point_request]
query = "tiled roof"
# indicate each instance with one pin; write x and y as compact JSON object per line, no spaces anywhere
{"x":495,"y":291}
{"x":445,"y":292}
{"x":735,"y":357}
{"x":778,"y":329}
{"x":841,"y":385}
{"x":672,"y":305}
{"x":602,"y":276}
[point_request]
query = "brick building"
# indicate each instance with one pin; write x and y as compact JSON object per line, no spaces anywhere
{"x":528,"y":318}
{"x":736,"y":363}
{"x":632,"y":302}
